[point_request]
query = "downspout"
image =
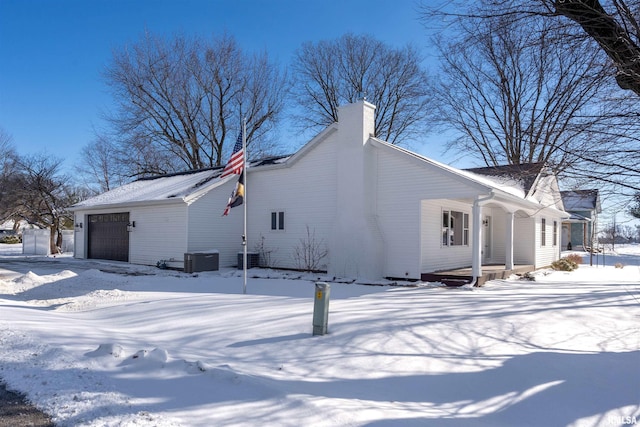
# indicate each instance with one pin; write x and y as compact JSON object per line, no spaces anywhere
{"x":476,"y":261}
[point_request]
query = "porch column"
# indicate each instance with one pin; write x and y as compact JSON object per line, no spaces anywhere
{"x":476,"y":241}
{"x":508,"y":264}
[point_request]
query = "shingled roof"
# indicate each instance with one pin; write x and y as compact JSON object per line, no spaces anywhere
{"x":581,"y":200}
{"x":525,"y":173}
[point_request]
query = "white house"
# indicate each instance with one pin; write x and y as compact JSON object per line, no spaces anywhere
{"x":379,"y":211}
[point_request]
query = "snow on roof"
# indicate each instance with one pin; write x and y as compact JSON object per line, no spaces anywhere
{"x":581,"y":200}
{"x":179,"y":185}
{"x":164,"y":187}
{"x":522,"y":176}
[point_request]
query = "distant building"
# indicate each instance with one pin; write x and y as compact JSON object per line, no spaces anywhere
{"x":579,"y":232}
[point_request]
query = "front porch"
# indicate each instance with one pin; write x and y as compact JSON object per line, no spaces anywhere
{"x":463,"y":276}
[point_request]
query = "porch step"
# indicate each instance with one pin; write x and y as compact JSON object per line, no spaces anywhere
{"x":461,"y":277}
{"x":446,"y":279}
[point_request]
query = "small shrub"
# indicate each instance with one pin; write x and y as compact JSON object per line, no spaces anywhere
{"x":265,"y":253}
{"x":10,"y":240}
{"x":576,"y":258}
{"x":619,"y":265}
{"x":564,"y":264}
{"x":528,"y":276}
{"x":310,"y":252}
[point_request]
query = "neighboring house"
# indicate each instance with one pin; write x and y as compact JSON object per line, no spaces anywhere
{"x":377,"y":209}
{"x":579,"y":232}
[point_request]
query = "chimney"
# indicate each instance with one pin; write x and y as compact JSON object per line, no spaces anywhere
{"x":356,"y":244}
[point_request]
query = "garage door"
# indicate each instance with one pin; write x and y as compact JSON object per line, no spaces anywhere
{"x":108,"y":236}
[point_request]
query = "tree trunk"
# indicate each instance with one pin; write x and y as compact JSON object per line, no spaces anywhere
{"x":611,"y":37}
{"x":55,"y":240}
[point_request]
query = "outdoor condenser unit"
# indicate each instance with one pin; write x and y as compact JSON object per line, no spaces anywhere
{"x":253,"y":260}
{"x":201,"y":261}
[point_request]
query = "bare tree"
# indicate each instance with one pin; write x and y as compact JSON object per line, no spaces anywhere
{"x":513,"y":101}
{"x":8,"y":158}
{"x":8,"y":169}
{"x":616,"y":32}
{"x":181,"y":101}
{"x":40,"y":195}
{"x":634,"y":209}
{"x":612,"y":25}
{"x":100,"y":167}
{"x":330,"y":73}
{"x":520,"y":87}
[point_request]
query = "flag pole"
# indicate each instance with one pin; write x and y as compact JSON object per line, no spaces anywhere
{"x":244,"y":235}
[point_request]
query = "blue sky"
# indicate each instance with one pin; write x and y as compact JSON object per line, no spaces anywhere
{"x":52,"y":53}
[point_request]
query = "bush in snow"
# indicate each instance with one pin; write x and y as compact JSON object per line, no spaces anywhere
{"x":576,"y":258}
{"x":310,"y":252}
{"x":10,"y":240}
{"x":564,"y":264}
{"x":265,"y":253}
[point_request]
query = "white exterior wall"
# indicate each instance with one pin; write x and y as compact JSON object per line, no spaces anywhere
{"x":545,"y":255}
{"x":305,"y":192}
{"x":498,"y":234}
{"x":356,"y":245}
{"x":80,"y":236}
{"x":36,"y":241}
{"x":434,"y":255}
{"x":410,"y":202}
{"x":160,"y":234}
{"x":208,"y":230}
{"x":524,"y":242}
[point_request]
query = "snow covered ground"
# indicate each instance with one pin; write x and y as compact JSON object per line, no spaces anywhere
{"x":111,"y":344}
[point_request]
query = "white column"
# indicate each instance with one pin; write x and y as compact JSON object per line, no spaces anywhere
{"x":509,"y":243}
{"x":476,"y":241}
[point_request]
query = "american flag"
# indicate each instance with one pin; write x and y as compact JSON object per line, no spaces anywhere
{"x":236,"y":162}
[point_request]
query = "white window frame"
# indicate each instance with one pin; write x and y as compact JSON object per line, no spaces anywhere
{"x":277,"y":220}
{"x":543,"y":232}
{"x":455,"y":228}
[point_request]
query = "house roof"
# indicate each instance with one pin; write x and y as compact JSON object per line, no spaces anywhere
{"x":513,"y":180}
{"x":178,"y":186}
{"x":523,"y":175}
{"x":581,"y":200}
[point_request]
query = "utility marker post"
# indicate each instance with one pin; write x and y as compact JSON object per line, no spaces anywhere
{"x":321,"y":308}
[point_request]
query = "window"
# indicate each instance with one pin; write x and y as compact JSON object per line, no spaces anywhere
{"x":277,"y":220}
{"x":555,"y":233}
{"x":543,"y":232}
{"x":455,"y":228}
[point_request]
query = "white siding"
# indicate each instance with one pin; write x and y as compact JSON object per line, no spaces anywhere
{"x":305,"y":192}
{"x":434,"y":255}
{"x":208,"y":230}
{"x":409,"y":224}
{"x":80,"y":238}
{"x":524,"y":242}
{"x":548,"y":253}
{"x":499,"y":233}
{"x":547,"y":192}
{"x":159,"y":234}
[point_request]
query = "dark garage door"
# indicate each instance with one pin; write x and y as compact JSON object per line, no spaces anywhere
{"x":108,"y":236}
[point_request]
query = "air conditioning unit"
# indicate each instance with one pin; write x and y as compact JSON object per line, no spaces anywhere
{"x":201,"y":261}
{"x":253,"y":260}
